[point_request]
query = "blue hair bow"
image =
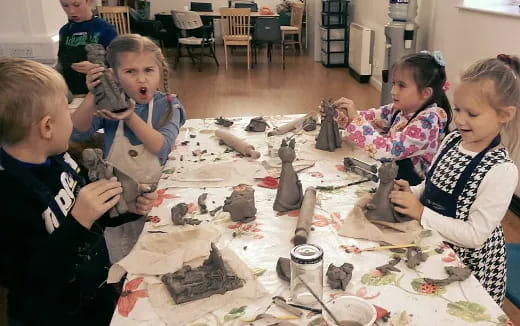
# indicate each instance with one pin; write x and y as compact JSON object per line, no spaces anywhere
{"x":437,"y":55}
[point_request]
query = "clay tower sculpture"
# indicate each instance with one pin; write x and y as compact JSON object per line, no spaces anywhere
{"x":108,"y":93}
{"x":328,"y":139}
{"x":380,"y":208}
{"x":289,"y":195}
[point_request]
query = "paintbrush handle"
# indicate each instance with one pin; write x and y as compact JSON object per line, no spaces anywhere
{"x":317,"y":298}
{"x":389,"y":247}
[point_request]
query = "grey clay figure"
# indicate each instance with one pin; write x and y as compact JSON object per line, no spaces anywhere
{"x":380,"y":208}
{"x":108,"y":94}
{"x":328,"y":139}
{"x":241,"y":204}
{"x":289,"y":195}
{"x":99,"y":169}
{"x":178,"y":212}
{"x":257,"y":124}
{"x":339,"y":277}
{"x":213,"y":277}
{"x":455,"y":274}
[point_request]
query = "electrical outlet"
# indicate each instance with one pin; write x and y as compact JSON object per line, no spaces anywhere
{"x":21,"y":51}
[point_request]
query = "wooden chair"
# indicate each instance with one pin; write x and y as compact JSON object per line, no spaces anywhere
{"x":295,"y":28}
{"x":187,"y":22}
{"x":117,"y":16}
{"x":236,"y":27}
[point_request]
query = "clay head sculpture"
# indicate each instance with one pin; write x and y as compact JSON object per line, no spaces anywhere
{"x":379,"y":208}
{"x":108,"y":93}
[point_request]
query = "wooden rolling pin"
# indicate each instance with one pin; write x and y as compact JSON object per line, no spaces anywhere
{"x":303,"y":226}
{"x":297,"y":123}
{"x":237,"y":143}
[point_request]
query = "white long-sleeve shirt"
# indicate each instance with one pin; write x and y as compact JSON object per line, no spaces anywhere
{"x":487,"y":211}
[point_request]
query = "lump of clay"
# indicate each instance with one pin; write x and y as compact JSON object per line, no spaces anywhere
{"x":283,"y":268}
{"x":455,"y":274}
{"x":339,"y":277}
{"x":108,"y":94}
{"x":415,"y":256}
{"x":179,"y":212}
{"x":289,"y":195}
{"x":201,"y":201}
{"x":390,"y":267}
{"x":309,"y":124}
{"x":328,"y":139}
{"x":257,"y":124}
{"x":213,"y":277}
{"x":223,"y":122}
{"x":98,"y":169}
{"x":380,"y":208}
{"x":241,"y":204}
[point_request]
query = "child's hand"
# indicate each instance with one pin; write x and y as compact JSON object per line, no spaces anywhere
{"x":402,"y":185}
{"x":348,"y":106}
{"x":95,"y":199}
{"x":145,"y":202}
{"x":125,"y":115}
{"x":93,"y":75}
{"x":83,"y":66}
{"x":406,"y":203}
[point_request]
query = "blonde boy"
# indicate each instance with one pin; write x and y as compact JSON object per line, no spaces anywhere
{"x":53,"y":257}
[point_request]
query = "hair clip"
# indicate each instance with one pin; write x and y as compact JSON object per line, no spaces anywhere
{"x":169,"y":98}
{"x":437,"y":55}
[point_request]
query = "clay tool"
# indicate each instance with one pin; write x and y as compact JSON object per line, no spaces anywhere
{"x":389,"y":247}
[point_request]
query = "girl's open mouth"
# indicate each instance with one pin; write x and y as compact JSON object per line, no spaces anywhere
{"x":142,"y":90}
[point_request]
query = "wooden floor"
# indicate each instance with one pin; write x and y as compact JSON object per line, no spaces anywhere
{"x":267,"y":89}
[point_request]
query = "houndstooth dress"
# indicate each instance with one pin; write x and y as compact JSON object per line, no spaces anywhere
{"x":451,"y":188}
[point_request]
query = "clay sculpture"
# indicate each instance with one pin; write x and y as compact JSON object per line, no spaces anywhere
{"x":213,"y":277}
{"x":415,"y":256}
{"x":108,"y":94}
{"x":455,"y":274}
{"x":390,"y":267}
{"x":241,"y":204}
{"x":223,"y":122}
{"x":99,"y":169}
{"x":303,"y":226}
{"x":328,"y":139}
{"x":306,"y":122}
{"x":380,"y":208}
{"x":178,"y":212}
{"x":257,"y":124}
{"x":283,"y":268}
{"x":289,"y":195}
{"x":201,"y":201}
{"x":339,"y":277}
{"x":236,"y":143}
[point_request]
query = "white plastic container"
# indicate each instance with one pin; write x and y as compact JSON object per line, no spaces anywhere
{"x":335,"y":58}
{"x":350,"y":308}
{"x":333,"y":33}
{"x":334,"y":46}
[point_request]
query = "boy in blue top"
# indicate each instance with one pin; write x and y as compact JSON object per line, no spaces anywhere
{"x":81,"y":30}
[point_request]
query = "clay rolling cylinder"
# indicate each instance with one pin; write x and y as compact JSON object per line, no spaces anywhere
{"x":237,"y":143}
{"x":282,"y":130}
{"x":303,"y":226}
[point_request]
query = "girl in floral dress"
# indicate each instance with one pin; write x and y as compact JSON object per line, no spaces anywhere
{"x":409,"y":129}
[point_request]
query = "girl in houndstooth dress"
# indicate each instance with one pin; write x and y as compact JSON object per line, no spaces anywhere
{"x":470,"y":184}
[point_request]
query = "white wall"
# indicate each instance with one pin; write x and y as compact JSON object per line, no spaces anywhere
{"x":28,"y":27}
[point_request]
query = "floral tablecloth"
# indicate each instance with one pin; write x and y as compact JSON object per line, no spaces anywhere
{"x":403,"y":298}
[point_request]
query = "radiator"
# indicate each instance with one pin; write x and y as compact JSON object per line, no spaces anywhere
{"x":360,"y":48}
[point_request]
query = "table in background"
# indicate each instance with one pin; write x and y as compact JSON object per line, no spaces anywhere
{"x":259,"y":243}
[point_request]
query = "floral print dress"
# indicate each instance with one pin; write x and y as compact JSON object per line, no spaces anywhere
{"x":386,"y":137}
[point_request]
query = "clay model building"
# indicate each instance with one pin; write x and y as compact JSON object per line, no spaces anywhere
{"x":328,"y":139}
{"x":289,"y":195}
{"x":241,"y":204}
{"x":108,"y":94}
{"x":257,"y":124}
{"x":380,"y":208}
{"x":213,"y":277}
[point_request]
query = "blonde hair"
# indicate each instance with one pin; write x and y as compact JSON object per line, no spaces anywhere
{"x":504,"y":75}
{"x":28,"y":91}
{"x":136,"y":43}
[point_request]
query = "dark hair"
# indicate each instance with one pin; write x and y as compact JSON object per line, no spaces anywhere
{"x":427,"y":72}
{"x":504,"y":73}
